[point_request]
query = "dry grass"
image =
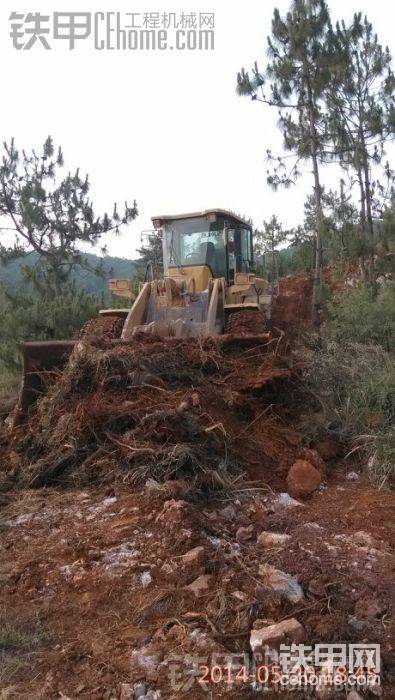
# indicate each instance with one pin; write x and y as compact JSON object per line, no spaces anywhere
{"x":20,"y":640}
{"x":355,"y":385}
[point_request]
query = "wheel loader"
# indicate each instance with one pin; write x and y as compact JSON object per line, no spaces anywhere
{"x":209,"y":287}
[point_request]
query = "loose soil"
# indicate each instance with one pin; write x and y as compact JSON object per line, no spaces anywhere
{"x":136,"y":456}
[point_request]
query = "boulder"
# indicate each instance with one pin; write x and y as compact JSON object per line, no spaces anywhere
{"x":282,"y":583}
{"x":285,"y":632}
{"x":272,"y":539}
{"x":303,"y":479}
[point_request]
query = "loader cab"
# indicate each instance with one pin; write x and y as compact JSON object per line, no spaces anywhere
{"x":205,"y":245}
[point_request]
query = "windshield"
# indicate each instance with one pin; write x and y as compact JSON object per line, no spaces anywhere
{"x":195,"y":242}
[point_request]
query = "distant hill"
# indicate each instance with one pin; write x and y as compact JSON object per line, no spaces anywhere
{"x":11,"y":276}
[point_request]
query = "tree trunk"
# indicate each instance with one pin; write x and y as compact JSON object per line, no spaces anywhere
{"x":317,"y":281}
{"x":369,"y":217}
{"x":362,"y":224}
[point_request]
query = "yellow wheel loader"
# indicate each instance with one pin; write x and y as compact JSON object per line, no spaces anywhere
{"x":209,"y":288}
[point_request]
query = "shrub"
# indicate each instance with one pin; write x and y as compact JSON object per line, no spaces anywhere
{"x":356,"y":386}
{"x":365,"y":315}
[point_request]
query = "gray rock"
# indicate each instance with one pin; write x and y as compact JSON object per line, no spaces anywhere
{"x":139,"y":689}
{"x":353,"y":476}
{"x":282,"y":583}
{"x":283,"y":501}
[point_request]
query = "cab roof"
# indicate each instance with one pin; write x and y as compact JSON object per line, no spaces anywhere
{"x":159,"y":220}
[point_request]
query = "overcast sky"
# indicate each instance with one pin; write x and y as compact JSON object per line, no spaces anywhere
{"x":163,"y":127}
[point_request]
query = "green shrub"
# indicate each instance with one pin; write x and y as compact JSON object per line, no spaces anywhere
{"x":365,"y":315}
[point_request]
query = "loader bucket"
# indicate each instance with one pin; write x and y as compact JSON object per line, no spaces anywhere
{"x":41,"y":360}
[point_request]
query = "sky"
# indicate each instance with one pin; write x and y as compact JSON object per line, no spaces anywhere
{"x":165,"y":128}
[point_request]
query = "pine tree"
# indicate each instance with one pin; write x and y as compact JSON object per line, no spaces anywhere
{"x":270,"y":237}
{"x":151,"y":254}
{"x":361,"y":108}
{"x":299,"y":69}
{"x":53,"y":219}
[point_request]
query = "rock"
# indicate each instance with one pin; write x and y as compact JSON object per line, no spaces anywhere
{"x":202,"y":642}
{"x":285,"y":632}
{"x":283,"y":501}
{"x":356,"y":624}
{"x":126,"y":692}
{"x":352,"y":476}
{"x":244,"y":534}
{"x":200,"y":585}
{"x":146,"y":579}
{"x":282,"y":583}
{"x":147,"y":659}
{"x":139,"y":689}
{"x":302,"y":479}
{"x":194,"y":557}
{"x":328,"y":449}
{"x":272,"y":539}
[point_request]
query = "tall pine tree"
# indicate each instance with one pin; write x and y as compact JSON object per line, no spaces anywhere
{"x":361,"y":108}
{"x":299,"y":69}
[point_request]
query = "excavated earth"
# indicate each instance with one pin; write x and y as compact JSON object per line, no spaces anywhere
{"x":145,"y":511}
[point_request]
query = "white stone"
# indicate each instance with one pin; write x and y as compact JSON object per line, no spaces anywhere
{"x":272,"y":539}
{"x":352,"y":476}
{"x":146,"y":579}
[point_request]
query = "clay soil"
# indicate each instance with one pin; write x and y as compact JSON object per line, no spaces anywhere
{"x":160,"y":457}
